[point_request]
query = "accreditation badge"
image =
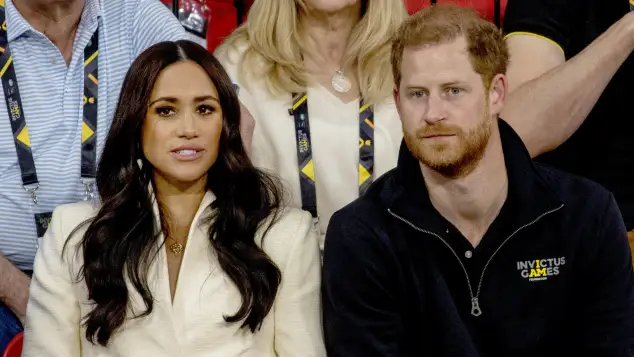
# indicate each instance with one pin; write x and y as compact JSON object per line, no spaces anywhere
{"x":42,"y":220}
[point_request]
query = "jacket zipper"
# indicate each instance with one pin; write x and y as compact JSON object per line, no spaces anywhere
{"x":475,"y":302}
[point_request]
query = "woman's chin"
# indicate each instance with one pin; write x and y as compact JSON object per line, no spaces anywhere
{"x":181,"y":179}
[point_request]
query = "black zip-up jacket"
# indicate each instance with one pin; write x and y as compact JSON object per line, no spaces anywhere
{"x":551,"y":277}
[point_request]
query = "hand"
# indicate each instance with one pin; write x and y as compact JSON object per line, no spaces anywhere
{"x":21,"y":297}
{"x":14,"y":288}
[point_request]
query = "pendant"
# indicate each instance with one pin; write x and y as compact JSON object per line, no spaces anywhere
{"x":341,"y":83}
{"x":176,"y":248}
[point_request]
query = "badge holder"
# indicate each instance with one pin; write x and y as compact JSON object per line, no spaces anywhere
{"x":33,"y":192}
{"x":89,"y":189}
{"x":43,"y":219}
{"x":193,"y":16}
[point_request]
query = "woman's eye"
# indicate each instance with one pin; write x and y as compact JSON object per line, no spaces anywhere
{"x":164,"y":111}
{"x":206,"y":109}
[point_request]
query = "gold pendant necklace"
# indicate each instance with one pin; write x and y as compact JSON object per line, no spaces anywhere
{"x":177,"y":248}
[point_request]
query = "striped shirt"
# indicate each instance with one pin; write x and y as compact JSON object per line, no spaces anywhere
{"x":52,"y":95}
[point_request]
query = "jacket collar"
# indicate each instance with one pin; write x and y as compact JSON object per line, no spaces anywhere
{"x":529,"y":194}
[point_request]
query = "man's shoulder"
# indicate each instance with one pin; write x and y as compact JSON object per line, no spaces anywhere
{"x":128,"y":4}
{"x":576,"y":192}
{"x":139,"y":24}
{"x":126,"y":8}
{"x":119,"y":16}
{"x":124,"y":14}
{"x":371,"y":208}
{"x":364,"y":230}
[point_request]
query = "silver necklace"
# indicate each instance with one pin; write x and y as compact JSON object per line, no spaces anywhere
{"x":340,"y":82}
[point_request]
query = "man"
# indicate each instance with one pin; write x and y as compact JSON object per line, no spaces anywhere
{"x":570,"y":61}
{"x":54,"y":53}
{"x":468,"y":248}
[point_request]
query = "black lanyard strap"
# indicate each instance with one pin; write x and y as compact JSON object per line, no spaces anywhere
{"x":17,"y":118}
{"x":366,"y":146}
{"x":89,"y":124}
{"x":305,"y":152}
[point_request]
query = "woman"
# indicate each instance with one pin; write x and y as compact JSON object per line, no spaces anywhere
{"x":315,"y":75}
{"x":190,"y":252}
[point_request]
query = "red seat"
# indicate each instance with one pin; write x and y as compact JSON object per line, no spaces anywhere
{"x":224,"y":15}
{"x":485,"y":7}
{"x":224,"y":19}
{"x":14,"y":348}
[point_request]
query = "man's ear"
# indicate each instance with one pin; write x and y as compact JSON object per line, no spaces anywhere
{"x":498,"y":92}
{"x":397,"y":99}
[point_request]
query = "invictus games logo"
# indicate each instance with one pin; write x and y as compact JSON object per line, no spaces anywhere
{"x":540,"y":269}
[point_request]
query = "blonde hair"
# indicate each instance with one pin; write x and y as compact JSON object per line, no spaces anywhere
{"x":273,"y":49}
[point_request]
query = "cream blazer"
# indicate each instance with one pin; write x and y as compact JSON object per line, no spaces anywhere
{"x":192,"y":325}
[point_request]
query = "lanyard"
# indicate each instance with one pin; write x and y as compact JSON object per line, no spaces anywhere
{"x":19,"y":128}
{"x":305,"y":151}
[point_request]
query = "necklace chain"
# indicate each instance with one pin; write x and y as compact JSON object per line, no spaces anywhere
{"x":339,"y":81}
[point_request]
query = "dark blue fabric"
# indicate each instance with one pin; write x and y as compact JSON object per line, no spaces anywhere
{"x":10,"y":326}
{"x":394,"y":287}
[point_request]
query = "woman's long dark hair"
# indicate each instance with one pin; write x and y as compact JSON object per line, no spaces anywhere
{"x":121,"y":240}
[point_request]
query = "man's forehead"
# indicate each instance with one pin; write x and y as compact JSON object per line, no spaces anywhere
{"x":438,"y":60}
{"x":457,"y":45}
{"x":436,"y":64}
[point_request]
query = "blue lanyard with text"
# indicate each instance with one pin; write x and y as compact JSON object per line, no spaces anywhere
{"x":13,"y":100}
{"x":306,"y":167}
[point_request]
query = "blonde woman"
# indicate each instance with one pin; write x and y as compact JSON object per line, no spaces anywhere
{"x":315,"y":76}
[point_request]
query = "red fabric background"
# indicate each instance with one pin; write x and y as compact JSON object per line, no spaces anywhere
{"x":224,"y":17}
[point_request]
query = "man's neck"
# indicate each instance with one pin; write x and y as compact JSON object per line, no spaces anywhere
{"x":326,"y":35}
{"x":57,"y":19}
{"x":472,"y":202}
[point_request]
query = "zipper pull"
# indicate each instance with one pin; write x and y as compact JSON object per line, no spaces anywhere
{"x":475,"y":307}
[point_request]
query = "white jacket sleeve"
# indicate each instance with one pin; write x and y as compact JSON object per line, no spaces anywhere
{"x":52,"y":325}
{"x":298,"y":327}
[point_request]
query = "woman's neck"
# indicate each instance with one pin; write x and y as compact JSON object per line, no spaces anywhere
{"x":326,"y":35}
{"x":180,"y":200}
